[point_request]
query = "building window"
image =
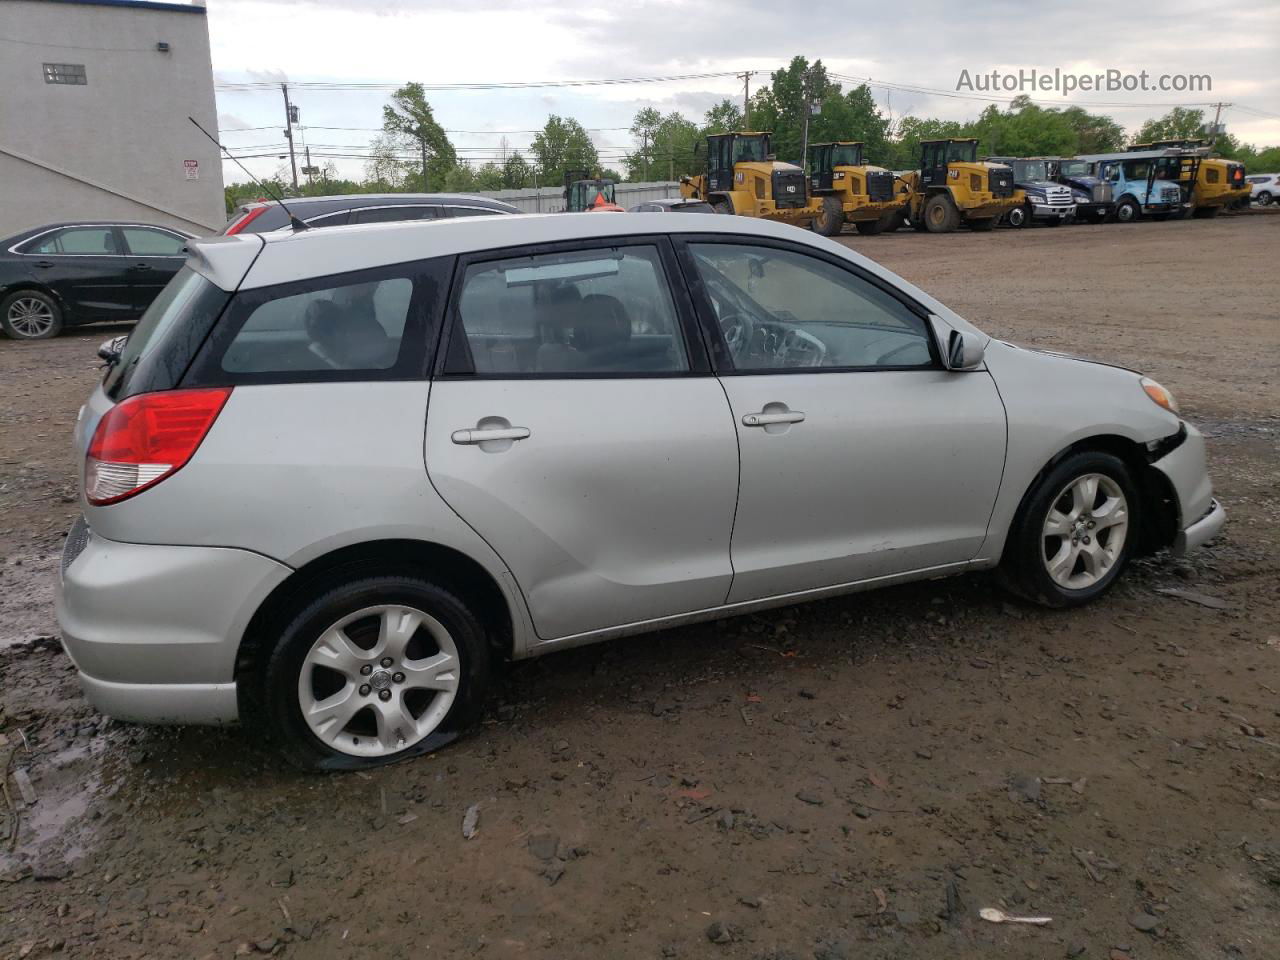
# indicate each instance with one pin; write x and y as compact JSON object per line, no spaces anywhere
{"x":72,"y":73}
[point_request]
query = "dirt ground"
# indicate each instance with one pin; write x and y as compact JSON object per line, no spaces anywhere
{"x":849,"y":779}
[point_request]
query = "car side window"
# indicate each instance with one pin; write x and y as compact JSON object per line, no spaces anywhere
{"x":339,"y":219}
{"x":394,"y":214}
{"x":145,"y":242}
{"x":602,"y":311}
{"x":364,"y":325}
{"x":779,"y":310}
{"x":80,"y":241}
{"x":472,"y":212}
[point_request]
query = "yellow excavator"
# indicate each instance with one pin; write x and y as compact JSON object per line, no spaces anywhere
{"x":953,"y":187}
{"x":849,"y":190}
{"x":744,"y":177}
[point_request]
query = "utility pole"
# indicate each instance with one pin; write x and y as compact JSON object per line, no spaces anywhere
{"x":422,"y":142}
{"x":1217,"y":114}
{"x":645,"y":153}
{"x":290,"y":117}
{"x":806,"y":93}
{"x":746,"y":99}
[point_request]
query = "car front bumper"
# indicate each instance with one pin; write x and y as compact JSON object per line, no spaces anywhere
{"x":1200,"y":516}
{"x":154,"y":629}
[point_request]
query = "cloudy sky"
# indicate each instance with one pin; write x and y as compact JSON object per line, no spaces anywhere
{"x":487,"y":41}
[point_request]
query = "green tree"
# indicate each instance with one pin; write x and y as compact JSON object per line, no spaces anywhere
{"x":664,"y":146}
{"x":1094,"y":132}
{"x":516,"y":172}
{"x":410,"y":130}
{"x":562,"y":144}
{"x":1180,"y":123}
{"x":724,"y":117}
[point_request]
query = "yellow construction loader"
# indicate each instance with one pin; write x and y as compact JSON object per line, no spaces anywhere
{"x":743,"y":177}
{"x":849,"y":190}
{"x":953,"y":187}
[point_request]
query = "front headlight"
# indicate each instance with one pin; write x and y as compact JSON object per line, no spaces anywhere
{"x":1159,"y":395}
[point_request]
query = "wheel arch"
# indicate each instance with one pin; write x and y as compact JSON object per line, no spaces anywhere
{"x":1159,"y":506}
{"x":18,"y":286}
{"x":441,"y":564}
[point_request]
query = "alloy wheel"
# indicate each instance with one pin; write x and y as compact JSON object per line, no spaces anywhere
{"x":379,"y":680}
{"x":30,"y":317}
{"x":1085,"y":531}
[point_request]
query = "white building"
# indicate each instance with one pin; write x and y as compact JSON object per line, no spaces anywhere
{"x":94,"y":100}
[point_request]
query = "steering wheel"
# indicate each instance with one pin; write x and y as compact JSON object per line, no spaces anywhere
{"x":739,"y":330}
{"x":800,"y":349}
{"x":911,"y":345}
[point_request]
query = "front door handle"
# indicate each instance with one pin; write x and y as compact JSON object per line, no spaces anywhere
{"x":764,"y":419}
{"x":44,"y":264}
{"x":480,"y":435}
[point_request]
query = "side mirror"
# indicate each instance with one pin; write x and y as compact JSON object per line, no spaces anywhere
{"x":959,"y":352}
{"x":110,"y":350}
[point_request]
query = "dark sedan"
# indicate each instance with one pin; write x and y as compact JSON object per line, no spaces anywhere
{"x":67,"y":274}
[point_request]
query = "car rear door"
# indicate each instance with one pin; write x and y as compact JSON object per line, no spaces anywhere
{"x":861,"y":457}
{"x":155,"y":255}
{"x":86,"y":267}
{"x":574,"y":423}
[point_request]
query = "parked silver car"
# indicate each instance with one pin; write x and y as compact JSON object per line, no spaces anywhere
{"x":334,"y":475}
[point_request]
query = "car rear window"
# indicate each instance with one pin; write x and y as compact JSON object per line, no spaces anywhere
{"x":167,"y":337}
{"x":364,"y":325}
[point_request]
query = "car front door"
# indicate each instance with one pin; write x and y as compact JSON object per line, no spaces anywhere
{"x":86,"y":268}
{"x":861,"y":457}
{"x":155,"y":255}
{"x":575,"y":424}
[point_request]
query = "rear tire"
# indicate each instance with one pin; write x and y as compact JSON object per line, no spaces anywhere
{"x":982,"y":224}
{"x":1081,"y":563}
{"x":940,"y":214}
{"x":869,"y":228}
{"x":30,"y":315}
{"x":1263,"y":199}
{"x":340,"y":641}
{"x":830,"y":221}
{"x":1206,"y":213}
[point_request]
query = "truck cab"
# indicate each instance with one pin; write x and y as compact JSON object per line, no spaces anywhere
{"x":1046,"y":201}
{"x":1143,"y":183}
{"x":586,"y":194}
{"x":1209,"y":184}
{"x":1092,"y":195}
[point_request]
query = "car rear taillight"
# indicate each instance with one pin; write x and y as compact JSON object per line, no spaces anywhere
{"x":247,"y":219}
{"x":147,"y":438}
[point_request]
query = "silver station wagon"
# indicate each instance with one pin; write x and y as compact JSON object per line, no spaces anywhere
{"x":335,"y":475}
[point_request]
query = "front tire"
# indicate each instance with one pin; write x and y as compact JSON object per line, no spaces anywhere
{"x":373,"y":671}
{"x":30,"y":315}
{"x":1018,"y":217}
{"x":1128,"y":211}
{"x":830,"y":221}
{"x":1074,"y":532}
{"x":940,"y":214}
{"x":1263,"y":198}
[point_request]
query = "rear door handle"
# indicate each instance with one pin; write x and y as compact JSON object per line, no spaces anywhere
{"x":44,"y":263}
{"x":141,"y":266}
{"x":496,"y":433}
{"x":764,"y":419}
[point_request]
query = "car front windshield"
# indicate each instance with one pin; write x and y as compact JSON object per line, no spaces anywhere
{"x":1030,"y":171}
{"x":1074,"y":168}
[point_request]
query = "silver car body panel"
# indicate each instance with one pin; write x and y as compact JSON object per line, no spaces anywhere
{"x":154,"y":617}
{"x":839,"y":497}
{"x":617,"y":507}
{"x":1053,"y":402}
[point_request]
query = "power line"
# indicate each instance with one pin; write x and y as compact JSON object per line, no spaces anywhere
{"x":251,"y":85}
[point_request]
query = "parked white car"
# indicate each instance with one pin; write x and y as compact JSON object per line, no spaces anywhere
{"x":335,"y":474}
{"x":1264,"y":188}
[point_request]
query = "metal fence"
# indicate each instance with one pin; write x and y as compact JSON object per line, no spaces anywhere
{"x":551,"y":199}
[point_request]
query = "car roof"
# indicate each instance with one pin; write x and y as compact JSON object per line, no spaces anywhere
{"x":36,"y":231}
{"x":354,"y":198}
